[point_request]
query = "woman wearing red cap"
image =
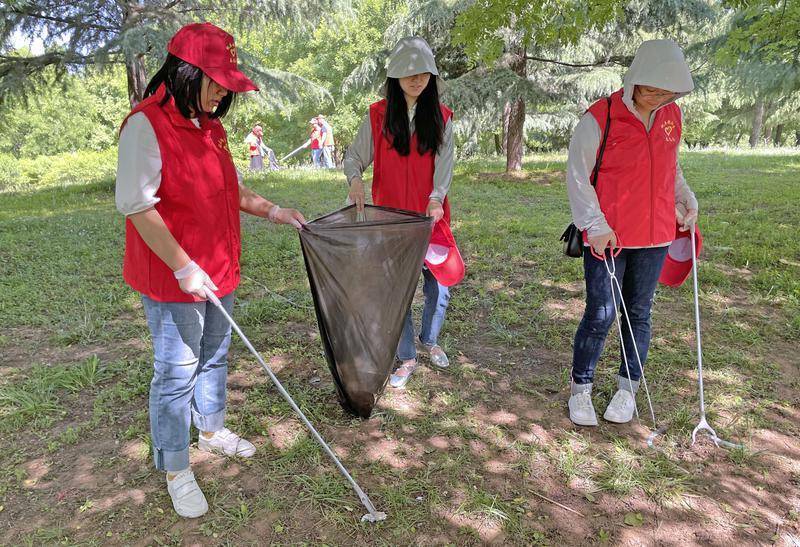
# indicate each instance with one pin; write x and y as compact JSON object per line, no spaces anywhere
{"x":181,"y":195}
{"x":409,"y":137}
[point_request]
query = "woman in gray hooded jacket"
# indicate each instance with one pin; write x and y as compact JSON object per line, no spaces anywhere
{"x":631,"y":205}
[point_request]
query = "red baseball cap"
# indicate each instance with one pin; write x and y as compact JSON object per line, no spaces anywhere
{"x":443,"y":258}
{"x":678,"y":264}
{"x":212,"y":50}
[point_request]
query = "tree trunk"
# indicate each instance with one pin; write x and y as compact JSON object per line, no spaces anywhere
{"x":758,"y":121}
{"x":515,"y":134}
{"x":137,"y":78}
{"x":767,"y":134}
{"x":516,"y":116}
{"x":506,"y":120}
{"x":739,"y":138}
{"x":778,"y":140}
{"x":797,"y":138}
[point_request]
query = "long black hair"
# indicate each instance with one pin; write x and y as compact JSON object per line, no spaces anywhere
{"x":428,"y":120}
{"x":184,"y":81}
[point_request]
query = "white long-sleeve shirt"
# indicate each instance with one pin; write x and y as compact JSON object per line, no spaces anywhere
{"x":360,"y":154}
{"x":139,"y":166}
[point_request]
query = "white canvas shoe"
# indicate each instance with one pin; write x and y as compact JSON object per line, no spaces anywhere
{"x":187,"y":498}
{"x":227,"y":443}
{"x":621,"y":408}
{"x":581,"y":410}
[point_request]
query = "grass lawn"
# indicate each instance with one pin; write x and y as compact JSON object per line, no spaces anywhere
{"x":465,"y":456}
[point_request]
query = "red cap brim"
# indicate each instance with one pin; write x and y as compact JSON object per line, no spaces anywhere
{"x":231,"y":79}
{"x":678,"y":264}
{"x":451,"y":271}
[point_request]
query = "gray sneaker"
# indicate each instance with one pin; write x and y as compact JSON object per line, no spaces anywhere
{"x":402,"y":375}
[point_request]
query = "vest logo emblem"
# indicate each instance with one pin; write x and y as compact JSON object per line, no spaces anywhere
{"x":232,"y":50}
{"x":668,"y":126}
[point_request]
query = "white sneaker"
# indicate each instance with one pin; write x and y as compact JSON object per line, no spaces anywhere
{"x":187,"y":498}
{"x":621,"y":408}
{"x":227,"y":443}
{"x":581,"y":410}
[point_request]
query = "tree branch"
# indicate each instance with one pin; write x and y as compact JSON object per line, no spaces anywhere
{"x":71,"y":22}
{"x":621,"y":60}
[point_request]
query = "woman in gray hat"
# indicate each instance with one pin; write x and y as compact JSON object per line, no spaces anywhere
{"x":409,"y":137}
{"x":628,"y":205}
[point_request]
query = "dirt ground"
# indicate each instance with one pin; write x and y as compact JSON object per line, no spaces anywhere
{"x":102,"y":490}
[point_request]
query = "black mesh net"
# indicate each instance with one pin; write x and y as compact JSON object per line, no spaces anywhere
{"x":363,"y":270}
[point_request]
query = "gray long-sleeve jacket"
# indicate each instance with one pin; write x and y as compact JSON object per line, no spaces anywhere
{"x":585,"y":141}
{"x":359,"y":156}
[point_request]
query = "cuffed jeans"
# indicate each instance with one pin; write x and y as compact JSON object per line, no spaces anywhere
{"x":637,"y":271}
{"x":437,"y":297}
{"x":190,"y":343}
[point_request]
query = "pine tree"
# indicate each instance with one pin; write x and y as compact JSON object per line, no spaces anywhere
{"x":80,"y":33}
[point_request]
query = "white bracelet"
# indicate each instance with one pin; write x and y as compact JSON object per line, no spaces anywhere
{"x":273,"y":211}
{"x":187,"y":270}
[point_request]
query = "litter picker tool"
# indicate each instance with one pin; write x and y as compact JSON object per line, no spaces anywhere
{"x":703,"y":424}
{"x":296,"y":150}
{"x":373,"y":515}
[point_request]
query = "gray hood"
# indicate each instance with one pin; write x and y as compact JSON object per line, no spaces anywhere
{"x":658,"y":63}
{"x":411,"y":55}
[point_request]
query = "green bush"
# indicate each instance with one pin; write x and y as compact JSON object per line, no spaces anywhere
{"x":84,"y":167}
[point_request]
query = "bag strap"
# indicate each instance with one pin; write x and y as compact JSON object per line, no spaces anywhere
{"x":602,"y":144}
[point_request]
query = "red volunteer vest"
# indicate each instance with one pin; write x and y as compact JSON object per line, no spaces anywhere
{"x":636,"y":182}
{"x":199,"y":195}
{"x":406,"y":182}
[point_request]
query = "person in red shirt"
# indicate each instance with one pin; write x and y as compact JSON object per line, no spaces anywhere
{"x":181,"y":195}
{"x":316,"y":143}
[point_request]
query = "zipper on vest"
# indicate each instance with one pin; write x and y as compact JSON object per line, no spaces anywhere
{"x":652,"y":192}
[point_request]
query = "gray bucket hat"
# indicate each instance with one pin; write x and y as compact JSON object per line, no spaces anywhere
{"x":411,"y":55}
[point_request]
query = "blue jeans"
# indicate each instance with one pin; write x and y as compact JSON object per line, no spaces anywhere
{"x":437,"y":297}
{"x":190,"y":342}
{"x":316,"y":157}
{"x":327,"y":156}
{"x":637,"y":271}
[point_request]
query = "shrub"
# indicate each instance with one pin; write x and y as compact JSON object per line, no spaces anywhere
{"x":84,"y":167}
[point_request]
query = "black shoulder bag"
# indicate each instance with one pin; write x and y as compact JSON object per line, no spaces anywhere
{"x":572,"y":237}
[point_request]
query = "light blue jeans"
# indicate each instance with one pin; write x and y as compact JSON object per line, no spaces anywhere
{"x":437,"y":297}
{"x":316,"y":158}
{"x":190,"y":372}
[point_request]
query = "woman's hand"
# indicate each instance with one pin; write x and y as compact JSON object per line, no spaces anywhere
{"x":356,"y":194}
{"x":686,"y":220}
{"x":600,"y":242}
{"x":279,"y":215}
{"x":193,"y":280}
{"x":435,"y":210}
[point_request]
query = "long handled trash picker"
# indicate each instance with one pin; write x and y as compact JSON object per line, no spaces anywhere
{"x":611,"y":268}
{"x":373,"y":515}
{"x":296,"y":150}
{"x":703,"y":425}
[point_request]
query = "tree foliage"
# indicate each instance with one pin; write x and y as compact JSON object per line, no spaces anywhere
{"x":78,"y":33}
{"x":551,"y":57}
